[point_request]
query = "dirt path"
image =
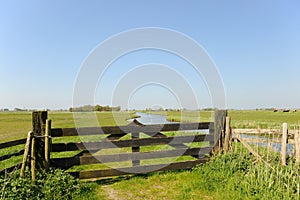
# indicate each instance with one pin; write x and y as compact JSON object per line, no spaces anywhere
{"x":111,"y":193}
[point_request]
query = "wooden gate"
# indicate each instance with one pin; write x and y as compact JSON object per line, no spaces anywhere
{"x":119,"y":150}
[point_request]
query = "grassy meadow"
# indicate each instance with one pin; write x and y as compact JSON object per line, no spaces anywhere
{"x":256,"y":119}
{"x":236,"y":175}
{"x":15,"y":125}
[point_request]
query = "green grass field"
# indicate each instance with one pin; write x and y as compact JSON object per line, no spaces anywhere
{"x":200,"y":183}
{"x":15,"y":125}
{"x":241,"y":118}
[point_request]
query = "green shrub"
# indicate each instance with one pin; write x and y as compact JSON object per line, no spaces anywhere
{"x":56,"y":184}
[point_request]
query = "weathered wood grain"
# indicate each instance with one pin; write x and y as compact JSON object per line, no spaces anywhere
{"x":137,"y":169}
{"x":105,"y":144}
{"x":59,"y":132}
{"x":66,"y":163}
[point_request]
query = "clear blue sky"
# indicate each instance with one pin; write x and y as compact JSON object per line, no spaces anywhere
{"x":254,"y":44}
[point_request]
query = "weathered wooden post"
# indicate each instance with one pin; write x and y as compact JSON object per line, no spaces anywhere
{"x":39,"y":126}
{"x":283,"y":143}
{"x":297,"y":147}
{"x":228,"y":136}
{"x":33,"y":158}
{"x":219,"y":125}
{"x":47,"y":144}
{"x":26,"y":153}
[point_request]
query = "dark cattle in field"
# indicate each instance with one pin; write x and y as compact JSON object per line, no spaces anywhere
{"x":286,"y":110}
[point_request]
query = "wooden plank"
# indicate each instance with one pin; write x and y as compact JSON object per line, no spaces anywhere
{"x":13,"y":143}
{"x":256,"y":131}
{"x":26,"y":153}
{"x":283,"y":144}
{"x":47,"y":144}
{"x":33,"y":158}
{"x":163,"y":136}
{"x":5,"y":157}
{"x":58,"y":132}
{"x":66,"y":163}
{"x":137,"y":169}
{"x":105,"y":144}
{"x":271,"y":140}
{"x":10,"y":169}
{"x":263,"y":132}
{"x":115,"y":136}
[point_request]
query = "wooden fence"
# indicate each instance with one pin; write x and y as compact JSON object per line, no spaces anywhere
{"x":181,"y":138}
{"x":14,"y":153}
{"x":283,"y":137}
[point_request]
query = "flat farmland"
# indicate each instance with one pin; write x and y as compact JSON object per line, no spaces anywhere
{"x":15,"y":125}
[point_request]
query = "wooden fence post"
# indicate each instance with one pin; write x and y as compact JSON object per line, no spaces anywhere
{"x":33,"y":158}
{"x":228,"y":137}
{"x":26,"y":153}
{"x":47,"y":144}
{"x":283,"y":143}
{"x":39,"y":122}
{"x":219,"y":124}
{"x":39,"y":126}
{"x":297,"y":147}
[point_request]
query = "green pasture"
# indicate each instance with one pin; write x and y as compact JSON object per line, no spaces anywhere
{"x":15,"y":125}
{"x":236,"y":175}
{"x":257,"y":119}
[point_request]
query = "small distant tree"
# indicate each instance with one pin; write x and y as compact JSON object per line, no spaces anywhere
{"x":98,"y":108}
{"x":71,"y":109}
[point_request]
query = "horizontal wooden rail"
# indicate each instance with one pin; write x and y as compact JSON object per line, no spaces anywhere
{"x":7,"y":156}
{"x":262,"y":131}
{"x":12,"y":143}
{"x":10,"y":169}
{"x":105,"y":144}
{"x":137,"y":169}
{"x":263,"y":140}
{"x":66,"y":163}
{"x":59,"y":132}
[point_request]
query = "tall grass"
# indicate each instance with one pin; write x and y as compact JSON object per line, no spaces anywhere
{"x":227,"y":176}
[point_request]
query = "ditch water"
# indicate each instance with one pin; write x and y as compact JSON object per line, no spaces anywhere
{"x":150,"y":119}
{"x":275,"y":146}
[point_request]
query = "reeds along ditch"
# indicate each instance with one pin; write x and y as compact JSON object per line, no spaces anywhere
{"x":252,"y":178}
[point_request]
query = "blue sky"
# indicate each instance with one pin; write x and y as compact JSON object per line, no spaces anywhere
{"x":254,"y":44}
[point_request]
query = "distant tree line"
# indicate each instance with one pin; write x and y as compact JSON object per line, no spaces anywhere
{"x":90,"y":108}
